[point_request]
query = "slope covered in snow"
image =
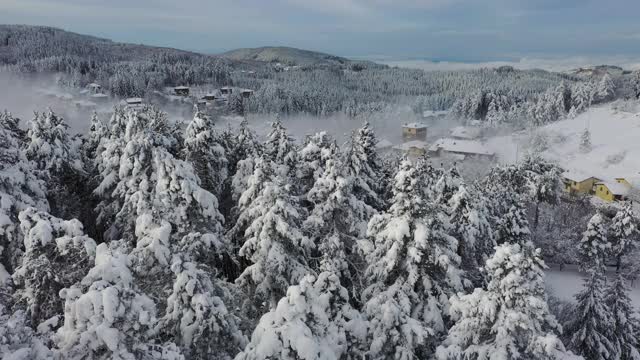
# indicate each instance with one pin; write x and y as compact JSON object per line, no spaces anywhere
{"x":615,"y":149}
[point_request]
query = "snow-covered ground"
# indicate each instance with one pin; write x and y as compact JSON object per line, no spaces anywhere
{"x":615,"y":130}
{"x":568,"y":282}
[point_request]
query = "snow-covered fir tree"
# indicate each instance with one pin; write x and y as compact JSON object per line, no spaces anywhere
{"x":625,"y":324}
{"x":605,"y":90}
{"x":623,"y":233}
{"x":469,"y":224}
{"x":106,"y":316}
{"x":513,"y":227}
{"x":196,"y":317}
{"x":585,"y":141}
{"x":280,"y":148}
{"x":204,"y":152}
{"x":21,"y":187}
{"x":314,"y":321}
{"x":274,"y":243}
{"x":447,"y":185}
{"x":510,"y":318}
{"x":337,"y":221}
{"x":591,"y":333}
{"x":57,"y":254}
{"x":363,"y":164}
{"x":408,"y":284}
{"x":314,"y":153}
{"x":18,"y":340}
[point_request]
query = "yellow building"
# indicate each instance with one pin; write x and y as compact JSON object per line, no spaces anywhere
{"x":612,"y":191}
{"x":578,"y":183}
{"x":414,"y":131}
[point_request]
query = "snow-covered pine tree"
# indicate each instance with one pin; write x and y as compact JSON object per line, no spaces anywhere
{"x":315,"y":152}
{"x":50,"y":148}
{"x":204,"y":152}
{"x":18,"y":340}
{"x":106,"y":316}
{"x":21,"y":187}
{"x":363,"y":164}
{"x":337,"y":221}
{"x":592,"y":334}
{"x":280,"y":148}
{"x":245,"y":146}
{"x":408,"y":284}
{"x":625,"y":324}
{"x":274,"y":243}
{"x":595,"y":245}
{"x":585,"y":141}
{"x":262,"y":173}
{"x":97,"y":132}
{"x":469,"y":224}
{"x":196,"y":317}
{"x":605,"y":89}
{"x":510,"y":318}
{"x":513,"y":226}
{"x":446,"y":186}
{"x":623,"y":233}
{"x":57,"y":254}
{"x":314,"y":321}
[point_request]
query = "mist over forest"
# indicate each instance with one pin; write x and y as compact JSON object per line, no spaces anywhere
{"x":279,"y":203}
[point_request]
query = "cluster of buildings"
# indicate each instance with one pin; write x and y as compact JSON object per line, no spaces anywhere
{"x":617,"y":189}
{"x":463,"y":143}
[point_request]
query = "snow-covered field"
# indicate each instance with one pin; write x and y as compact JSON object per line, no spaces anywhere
{"x":568,"y":282}
{"x":615,"y":130}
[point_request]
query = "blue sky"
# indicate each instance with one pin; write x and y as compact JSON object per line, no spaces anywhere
{"x":459,"y":30}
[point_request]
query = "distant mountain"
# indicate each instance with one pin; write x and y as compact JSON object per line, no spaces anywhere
{"x":285,"y":55}
{"x":597,"y":71}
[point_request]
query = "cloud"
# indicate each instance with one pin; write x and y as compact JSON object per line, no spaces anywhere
{"x":550,"y":64}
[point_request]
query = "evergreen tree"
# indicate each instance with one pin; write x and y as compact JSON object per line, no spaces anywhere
{"x":363,"y":164}
{"x":315,"y":152}
{"x":513,"y":227}
{"x":623,"y":233}
{"x":337,"y":221}
{"x":408,"y":284}
{"x":314,"y":321}
{"x":204,"y":152}
{"x":625,"y":324}
{"x":106,"y":316}
{"x":274,"y":243}
{"x":196,"y":316}
{"x":592,"y":335}
{"x":585,"y":141}
{"x":18,"y":340}
{"x":605,"y":89}
{"x":280,"y":148}
{"x":510,"y":319}
{"x":470,"y":225}
{"x":446,"y":186}
{"x":57,"y":255}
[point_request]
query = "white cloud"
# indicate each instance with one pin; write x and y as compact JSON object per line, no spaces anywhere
{"x":551,"y":64}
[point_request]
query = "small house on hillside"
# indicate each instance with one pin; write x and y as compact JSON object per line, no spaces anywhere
{"x":99,"y":98}
{"x":209,"y":97}
{"x":466,"y":132}
{"x":226,"y":91}
{"x":414,"y":131}
{"x":578,"y":183}
{"x":246,"y":93}
{"x":412,"y":148}
{"x":94,"y":88}
{"x":462,"y":149}
{"x":181,"y":90}
{"x":384,"y":145}
{"x":612,"y":190}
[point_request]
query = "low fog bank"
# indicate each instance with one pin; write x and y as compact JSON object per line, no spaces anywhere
{"x":23,"y":95}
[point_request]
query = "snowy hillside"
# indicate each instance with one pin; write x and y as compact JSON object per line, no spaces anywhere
{"x":614,"y":128}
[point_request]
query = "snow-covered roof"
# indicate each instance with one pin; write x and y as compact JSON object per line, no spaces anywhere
{"x":134,"y":101}
{"x":247,"y":90}
{"x":181,"y":87}
{"x":429,"y":113}
{"x":94,"y":85}
{"x":85,"y":103}
{"x":99,"y":95}
{"x":577,"y":176}
{"x":415,"y":125}
{"x":411,"y":144}
{"x":384,"y":143}
{"x":461,"y":146}
{"x":615,"y":187}
{"x":465,"y":132}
